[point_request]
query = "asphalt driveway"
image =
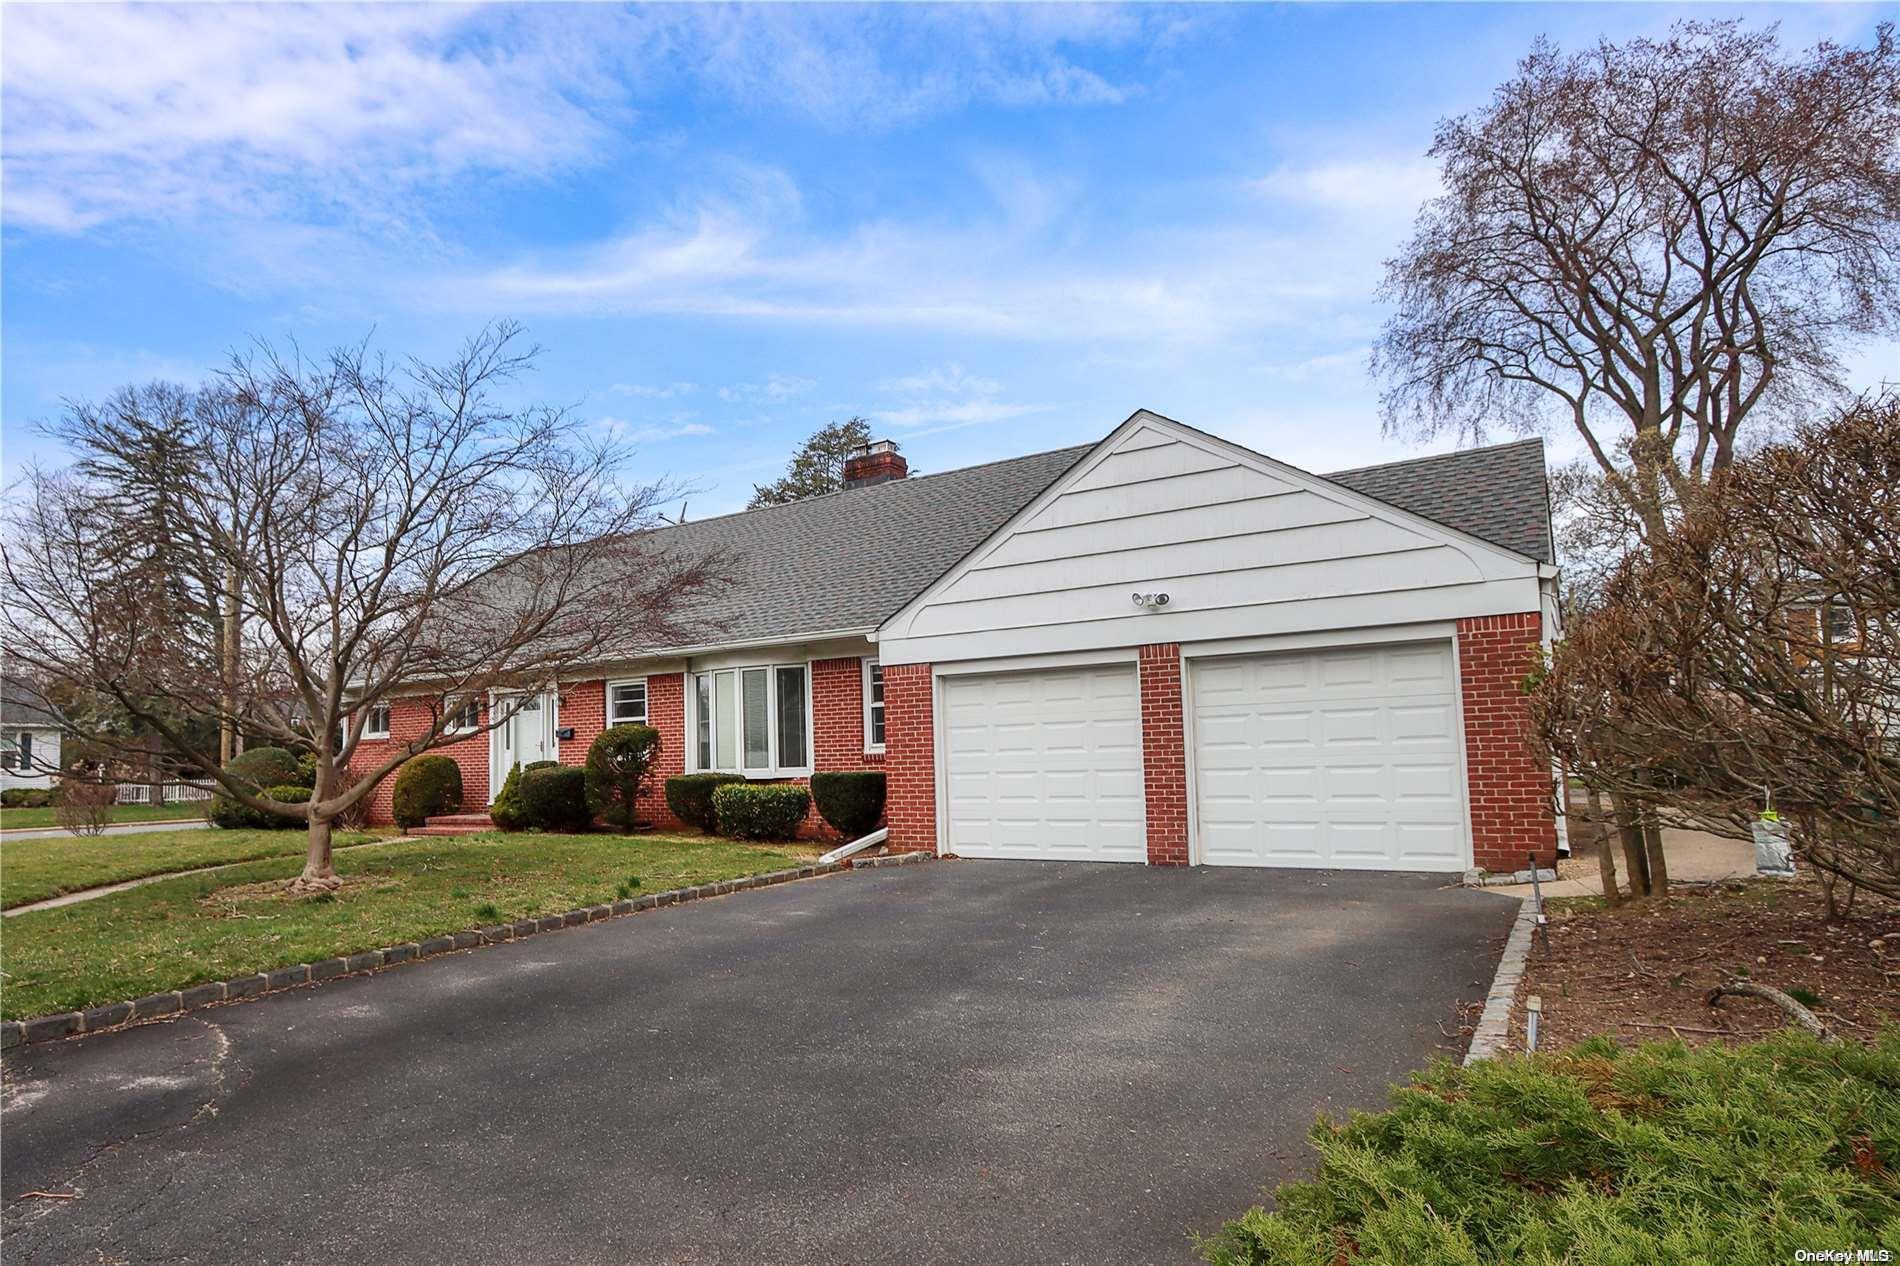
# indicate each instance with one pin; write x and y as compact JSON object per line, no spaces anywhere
{"x":959,"y":1062}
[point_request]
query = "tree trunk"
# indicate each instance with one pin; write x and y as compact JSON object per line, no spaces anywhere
{"x":1606,"y":855}
{"x":1635,"y":858}
{"x":227,"y":670}
{"x":1658,"y":864}
{"x":319,"y":874}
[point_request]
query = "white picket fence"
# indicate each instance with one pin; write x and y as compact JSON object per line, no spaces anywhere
{"x":141,"y":793}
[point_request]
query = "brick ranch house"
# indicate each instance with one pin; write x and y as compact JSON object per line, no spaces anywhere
{"x":1163,"y":647}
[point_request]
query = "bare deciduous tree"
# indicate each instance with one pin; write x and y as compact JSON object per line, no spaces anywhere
{"x":1653,"y":243}
{"x":1751,"y":656}
{"x":383,"y":527}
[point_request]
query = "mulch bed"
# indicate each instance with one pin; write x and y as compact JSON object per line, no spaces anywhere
{"x":1645,"y":970}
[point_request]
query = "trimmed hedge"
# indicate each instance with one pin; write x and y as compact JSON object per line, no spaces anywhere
{"x":1656,"y":1153}
{"x":262,"y":768}
{"x":690,"y":797}
{"x":507,"y":811}
{"x":554,"y":798}
{"x":618,"y":763}
{"x":851,"y":800}
{"x":26,"y":798}
{"x":762,"y":810}
{"x":289,"y":793}
{"x":426,"y":786}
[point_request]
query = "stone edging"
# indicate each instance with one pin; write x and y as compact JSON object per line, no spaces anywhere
{"x":1494,"y":1025}
{"x":112,"y":1015}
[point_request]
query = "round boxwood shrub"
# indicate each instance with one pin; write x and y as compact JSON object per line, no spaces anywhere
{"x":618,"y":763}
{"x":690,"y":797}
{"x":851,"y":800}
{"x":554,"y":798}
{"x":761,"y":811}
{"x":259,"y":768}
{"x":425,"y":787}
{"x":289,"y":793}
{"x":507,"y":811}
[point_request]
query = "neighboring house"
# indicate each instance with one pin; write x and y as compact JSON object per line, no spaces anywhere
{"x":1163,"y":647}
{"x":29,"y":737}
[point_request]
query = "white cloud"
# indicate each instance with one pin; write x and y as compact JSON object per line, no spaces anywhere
{"x":160,"y":112}
{"x":776,"y":387}
{"x":652,"y":432}
{"x":949,"y":378}
{"x":350,"y":112}
{"x":666,"y":391}
{"x":946,"y":398}
{"x":1379,"y":187}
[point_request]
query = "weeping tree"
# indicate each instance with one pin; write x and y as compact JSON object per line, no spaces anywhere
{"x":1750,"y":659}
{"x":377,"y":527}
{"x":1663,"y":246}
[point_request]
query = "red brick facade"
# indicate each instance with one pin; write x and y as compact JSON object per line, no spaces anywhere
{"x":910,"y":758}
{"x":838,"y":741}
{"x":1510,"y":790}
{"x":1163,"y":754}
{"x":1511,"y":810}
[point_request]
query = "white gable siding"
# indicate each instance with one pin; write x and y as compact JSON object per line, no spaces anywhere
{"x":1241,"y":545}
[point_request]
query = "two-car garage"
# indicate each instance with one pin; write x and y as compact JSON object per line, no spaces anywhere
{"x":1184,"y":651}
{"x":1344,"y":757}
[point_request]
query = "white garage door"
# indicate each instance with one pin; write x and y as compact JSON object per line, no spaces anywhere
{"x":1045,"y":765}
{"x":1344,"y":758}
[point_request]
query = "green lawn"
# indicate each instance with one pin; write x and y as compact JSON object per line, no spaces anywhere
{"x":22,"y":819}
{"x":32,"y":870}
{"x":182,"y":931}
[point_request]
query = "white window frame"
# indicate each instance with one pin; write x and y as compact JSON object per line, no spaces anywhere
{"x":873,"y":664}
{"x":461,"y":706}
{"x":738,"y":671}
{"x":1828,"y":615}
{"x":370,"y":730}
{"x":646,"y":702}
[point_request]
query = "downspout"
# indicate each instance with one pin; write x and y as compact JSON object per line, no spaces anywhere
{"x":856,"y":846}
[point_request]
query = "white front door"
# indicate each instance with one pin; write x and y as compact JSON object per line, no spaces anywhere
{"x":1343,"y":758}
{"x":524,"y":738}
{"x":1045,"y":765}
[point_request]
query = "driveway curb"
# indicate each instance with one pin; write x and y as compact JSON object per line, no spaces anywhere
{"x":1494,"y":1025}
{"x":114,"y":1015}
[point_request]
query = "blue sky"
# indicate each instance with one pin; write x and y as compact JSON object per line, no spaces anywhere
{"x":989,"y":230}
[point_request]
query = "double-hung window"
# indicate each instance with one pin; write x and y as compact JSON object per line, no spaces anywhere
{"x":873,"y":706}
{"x":376,"y":725}
{"x":627,"y":702}
{"x":754,"y":721}
{"x":465,"y":716}
{"x":18,"y":751}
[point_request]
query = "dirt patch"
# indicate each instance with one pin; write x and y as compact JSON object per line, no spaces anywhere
{"x":1645,"y":970}
{"x":272,"y":891}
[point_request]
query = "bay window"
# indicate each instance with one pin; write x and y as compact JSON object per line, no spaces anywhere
{"x":754,"y":721}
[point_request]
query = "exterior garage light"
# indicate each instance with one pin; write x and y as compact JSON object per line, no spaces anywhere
{"x":1151,"y":601}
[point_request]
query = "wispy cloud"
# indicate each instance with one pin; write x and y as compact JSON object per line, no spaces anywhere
{"x":775,"y":388}
{"x":947,"y":398}
{"x":652,"y":432}
{"x":151,"y":112}
{"x":666,"y":391}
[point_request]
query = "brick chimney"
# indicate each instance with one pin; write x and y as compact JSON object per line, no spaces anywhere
{"x":873,"y":464}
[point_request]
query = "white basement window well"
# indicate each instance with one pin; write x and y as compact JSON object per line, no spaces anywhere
{"x":627,"y":702}
{"x":753,"y":721}
{"x":873,"y":706}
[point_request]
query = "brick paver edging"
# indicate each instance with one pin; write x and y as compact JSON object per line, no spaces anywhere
{"x":156,"y":1006}
{"x":1494,"y":1025}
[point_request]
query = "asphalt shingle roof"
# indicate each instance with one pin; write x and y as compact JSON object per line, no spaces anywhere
{"x":846,"y":561}
{"x":22,"y":704}
{"x":1497,"y":494}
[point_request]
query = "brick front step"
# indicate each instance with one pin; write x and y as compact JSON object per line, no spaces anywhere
{"x":455,"y":824}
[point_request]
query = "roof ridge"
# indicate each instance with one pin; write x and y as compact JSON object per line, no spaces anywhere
{"x":1435,"y":457}
{"x":908,"y":480}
